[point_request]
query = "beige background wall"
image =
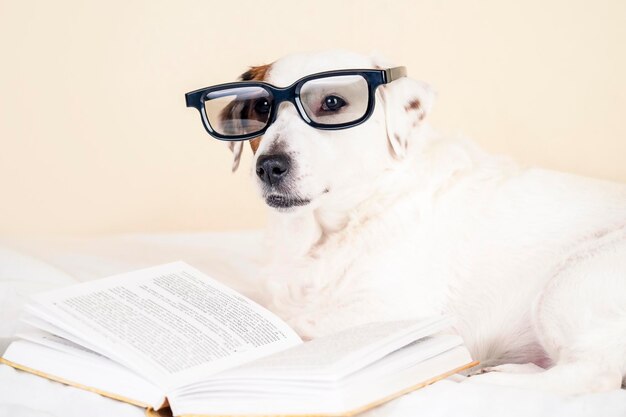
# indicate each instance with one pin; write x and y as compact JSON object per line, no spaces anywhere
{"x":95,"y":137}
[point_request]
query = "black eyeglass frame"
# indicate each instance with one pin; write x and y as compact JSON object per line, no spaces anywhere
{"x":373,"y":77}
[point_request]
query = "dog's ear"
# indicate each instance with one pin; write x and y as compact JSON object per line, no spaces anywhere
{"x":406,"y":102}
{"x":237,"y":148}
{"x":257,"y":73}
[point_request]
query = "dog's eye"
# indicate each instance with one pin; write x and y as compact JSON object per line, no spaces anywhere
{"x":262,"y":106}
{"x":333,"y":103}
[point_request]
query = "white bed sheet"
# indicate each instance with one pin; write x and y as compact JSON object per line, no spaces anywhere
{"x":31,"y":265}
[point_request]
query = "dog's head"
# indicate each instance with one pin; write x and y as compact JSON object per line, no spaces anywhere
{"x":298,"y":167}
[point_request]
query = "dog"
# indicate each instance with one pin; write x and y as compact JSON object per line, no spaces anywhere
{"x":391,"y":220}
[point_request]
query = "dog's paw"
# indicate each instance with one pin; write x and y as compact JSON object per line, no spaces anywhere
{"x":513,"y":368}
{"x":307,"y":327}
{"x":567,"y":379}
{"x":311,"y":326}
{"x":508,"y":375}
{"x":516,"y":380}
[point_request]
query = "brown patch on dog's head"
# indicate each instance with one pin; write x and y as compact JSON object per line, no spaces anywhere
{"x":254,"y":144}
{"x":257,"y":73}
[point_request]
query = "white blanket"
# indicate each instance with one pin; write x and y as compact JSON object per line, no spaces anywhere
{"x":31,"y":265}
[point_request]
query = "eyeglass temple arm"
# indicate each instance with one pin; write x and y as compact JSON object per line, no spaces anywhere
{"x":192,"y":99}
{"x":392,"y":74}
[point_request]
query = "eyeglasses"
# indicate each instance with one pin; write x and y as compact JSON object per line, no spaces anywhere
{"x":328,"y":100}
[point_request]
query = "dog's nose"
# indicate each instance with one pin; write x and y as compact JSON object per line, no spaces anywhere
{"x":271,"y":169}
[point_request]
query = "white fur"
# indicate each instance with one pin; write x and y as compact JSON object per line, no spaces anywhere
{"x":531,"y":263}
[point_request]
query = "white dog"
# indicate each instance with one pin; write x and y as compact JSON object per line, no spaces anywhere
{"x":389,"y":220}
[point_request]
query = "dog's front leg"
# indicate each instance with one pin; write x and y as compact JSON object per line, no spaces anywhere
{"x":314,"y":311}
{"x":316,"y":323}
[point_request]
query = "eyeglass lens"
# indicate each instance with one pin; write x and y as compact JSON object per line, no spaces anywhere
{"x":327,"y":101}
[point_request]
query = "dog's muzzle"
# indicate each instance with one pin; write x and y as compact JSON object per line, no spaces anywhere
{"x":273,"y":171}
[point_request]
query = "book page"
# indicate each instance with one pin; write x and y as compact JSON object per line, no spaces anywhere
{"x":335,"y":356}
{"x":350,"y":349}
{"x":173,"y":322}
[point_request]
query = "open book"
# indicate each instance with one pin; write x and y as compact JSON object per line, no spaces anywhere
{"x":170,"y":335}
